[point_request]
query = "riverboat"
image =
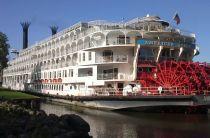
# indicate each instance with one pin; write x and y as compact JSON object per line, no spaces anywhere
{"x":142,"y":62}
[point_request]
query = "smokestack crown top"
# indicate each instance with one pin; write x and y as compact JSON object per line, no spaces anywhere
{"x":54,"y":29}
{"x":25,"y":25}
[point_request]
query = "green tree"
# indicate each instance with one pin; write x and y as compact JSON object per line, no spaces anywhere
{"x":4,"y":50}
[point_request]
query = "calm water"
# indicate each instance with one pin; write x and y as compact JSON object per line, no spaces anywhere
{"x":136,"y":125}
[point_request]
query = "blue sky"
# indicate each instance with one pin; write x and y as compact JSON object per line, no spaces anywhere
{"x":195,"y":16}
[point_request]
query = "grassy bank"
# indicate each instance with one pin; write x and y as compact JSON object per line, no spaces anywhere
{"x":15,"y":95}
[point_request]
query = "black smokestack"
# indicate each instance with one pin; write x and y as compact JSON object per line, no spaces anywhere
{"x":54,"y":29}
{"x":25,"y":26}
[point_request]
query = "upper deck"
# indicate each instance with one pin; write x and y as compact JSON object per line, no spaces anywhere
{"x":96,"y":35}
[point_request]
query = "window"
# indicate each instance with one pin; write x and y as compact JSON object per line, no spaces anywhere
{"x":54,"y":73}
{"x":89,"y":56}
{"x":65,"y":73}
{"x":146,"y":54}
{"x":110,"y":73}
{"x":83,"y":56}
{"x":152,"y":28}
{"x":34,"y":76}
{"x":39,"y":75}
{"x":61,"y":87}
{"x":80,"y":57}
{"x":146,"y":28}
{"x":70,"y":73}
{"x":115,"y":73}
{"x":59,"y":73}
{"x":128,"y":40}
{"x":121,"y":39}
{"x":50,"y":75}
{"x":82,"y":72}
{"x":107,"y":55}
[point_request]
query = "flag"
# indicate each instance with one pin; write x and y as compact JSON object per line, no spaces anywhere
{"x":176,"y":18}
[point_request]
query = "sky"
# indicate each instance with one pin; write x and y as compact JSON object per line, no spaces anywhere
{"x":194,"y":15}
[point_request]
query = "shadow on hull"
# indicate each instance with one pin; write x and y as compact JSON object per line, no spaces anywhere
{"x":168,"y":109}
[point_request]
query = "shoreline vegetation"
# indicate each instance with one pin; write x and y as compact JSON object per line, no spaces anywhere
{"x":15,"y":95}
{"x":20,"y":117}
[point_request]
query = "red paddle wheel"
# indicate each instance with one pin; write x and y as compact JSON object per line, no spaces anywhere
{"x":176,"y":77}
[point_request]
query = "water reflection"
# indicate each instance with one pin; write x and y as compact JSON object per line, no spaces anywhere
{"x":134,"y":125}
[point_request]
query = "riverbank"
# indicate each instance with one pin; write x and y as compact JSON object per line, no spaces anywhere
{"x":19,"y":118}
{"x":23,"y":99}
{"x":7,"y":94}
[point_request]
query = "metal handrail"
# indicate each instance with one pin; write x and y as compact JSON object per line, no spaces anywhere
{"x":114,"y":58}
{"x":145,"y":91}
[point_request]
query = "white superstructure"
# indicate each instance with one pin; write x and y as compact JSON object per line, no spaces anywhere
{"x":92,"y":55}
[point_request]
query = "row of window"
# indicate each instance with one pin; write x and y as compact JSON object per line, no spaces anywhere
{"x":58,"y":87}
{"x":54,"y":74}
{"x":48,"y":87}
{"x":82,"y":56}
{"x":63,"y":74}
{"x":80,"y":59}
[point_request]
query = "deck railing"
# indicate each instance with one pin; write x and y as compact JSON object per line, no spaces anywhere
{"x":112,"y":59}
{"x":144,"y":91}
{"x":113,"y":76}
{"x":107,"y":76}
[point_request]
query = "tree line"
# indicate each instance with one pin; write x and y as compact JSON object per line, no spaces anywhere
{"x":4,"y":50}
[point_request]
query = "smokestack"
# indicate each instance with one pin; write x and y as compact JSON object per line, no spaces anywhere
{"x":25,"y":26}
{"x":54,"y":29}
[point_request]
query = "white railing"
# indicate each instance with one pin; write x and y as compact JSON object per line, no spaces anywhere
{"x":112,"y":59}
{"x":115,"y":42}
{"x":143,"y":91}
{"x":113,"y":76}
{"x":107,"y":76}
{"x":173,"y":30}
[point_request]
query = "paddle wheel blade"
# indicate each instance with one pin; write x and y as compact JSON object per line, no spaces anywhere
{"x":176,"y":77}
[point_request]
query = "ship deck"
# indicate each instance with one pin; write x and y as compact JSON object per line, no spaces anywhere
{"x":135,"y":102}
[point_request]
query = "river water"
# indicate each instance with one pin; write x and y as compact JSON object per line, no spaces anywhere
{"x":107,"y":124}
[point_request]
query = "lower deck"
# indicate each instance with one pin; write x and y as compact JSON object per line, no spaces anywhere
{"x":179,"y":104}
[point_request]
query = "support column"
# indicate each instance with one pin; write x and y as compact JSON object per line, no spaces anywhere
{"x":135,"y":62}
{"x":159,"y":51}
{"x":196,"y":51}
{"x":180,"y":52}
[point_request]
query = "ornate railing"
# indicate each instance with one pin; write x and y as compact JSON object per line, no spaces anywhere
{"x":112,"y":59}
